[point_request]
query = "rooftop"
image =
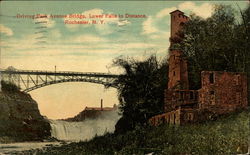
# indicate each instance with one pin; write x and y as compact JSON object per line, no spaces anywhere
{"x":176,"y":11}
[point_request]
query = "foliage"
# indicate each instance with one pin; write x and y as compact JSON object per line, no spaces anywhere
{"x":217,"y":43}
{"x":20,"y":119}
{"x":227,"y":135}
{"x":140,"y":89}
{"x":9,"y":87}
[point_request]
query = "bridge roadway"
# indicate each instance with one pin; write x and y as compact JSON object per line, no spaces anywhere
{"x":29,"y":80}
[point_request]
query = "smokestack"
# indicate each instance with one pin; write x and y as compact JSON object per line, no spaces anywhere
{"x":101,"y":104}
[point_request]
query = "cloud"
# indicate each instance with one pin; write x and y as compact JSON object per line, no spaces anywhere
{"x":72,"y":27}
{"x":162,"y":35}
{"x":88,"y":38}
{"x":187,"y":5}
{"x":204,"y":10}
{"x":81,"y":16}
{"x":148,"y":26}
{"x":27,"y":41}
{"x":139,"y":45}
{"x":165,"y":12}
{"x":56,"y":33}
{"x":95,"y":11}
{"x":5,"y":30}
{"x":123,"y":22}
{"x":109,"y":26}
{"x":103,"y":29}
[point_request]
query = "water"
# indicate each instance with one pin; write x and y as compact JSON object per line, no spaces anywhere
{"x":11,"y":148}
{"x":67,"y":131}
{"x":80,"y":131}
{"x":85,"y":130}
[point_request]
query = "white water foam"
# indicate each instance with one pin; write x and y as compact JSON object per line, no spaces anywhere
{"x":81,"y":131}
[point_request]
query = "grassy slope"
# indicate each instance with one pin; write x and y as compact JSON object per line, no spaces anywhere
{"x":225,"y":136}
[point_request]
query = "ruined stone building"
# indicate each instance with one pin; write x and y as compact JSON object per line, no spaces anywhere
{"x":220,"y":93}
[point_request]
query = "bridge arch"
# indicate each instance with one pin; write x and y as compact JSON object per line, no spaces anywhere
{"x":31,"y":80}
{"x":68,"y":80}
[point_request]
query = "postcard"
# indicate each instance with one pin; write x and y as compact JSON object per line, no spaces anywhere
{"x":124,"y":77}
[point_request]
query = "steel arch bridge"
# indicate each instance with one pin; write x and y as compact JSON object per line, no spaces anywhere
{"x":29,"y":80}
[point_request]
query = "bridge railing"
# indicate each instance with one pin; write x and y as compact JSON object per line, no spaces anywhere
{"x":54,"y":72}
{"x":33,"y":79}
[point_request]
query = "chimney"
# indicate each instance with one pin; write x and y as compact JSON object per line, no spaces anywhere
{"x":101,"y":104}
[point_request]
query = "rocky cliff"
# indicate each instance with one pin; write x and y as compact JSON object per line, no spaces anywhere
{"x":20,"y":119}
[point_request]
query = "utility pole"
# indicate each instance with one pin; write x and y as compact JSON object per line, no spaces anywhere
{"x":55,"y":72}
{"x":101,"y":104}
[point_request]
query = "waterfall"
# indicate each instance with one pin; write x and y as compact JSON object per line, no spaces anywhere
{"x":80,"y":131}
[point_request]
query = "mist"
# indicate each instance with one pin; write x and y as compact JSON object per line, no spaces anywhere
{"x":85,"y":130}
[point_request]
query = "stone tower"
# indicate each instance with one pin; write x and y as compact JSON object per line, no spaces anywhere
{"x":178,"y":74}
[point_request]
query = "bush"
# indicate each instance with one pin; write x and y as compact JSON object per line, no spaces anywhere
{"x":9,"y":87}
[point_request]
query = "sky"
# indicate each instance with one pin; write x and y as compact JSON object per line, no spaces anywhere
{"x":86,"y":47}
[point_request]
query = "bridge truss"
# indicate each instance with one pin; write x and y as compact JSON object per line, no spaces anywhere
{"x":29,"y":80}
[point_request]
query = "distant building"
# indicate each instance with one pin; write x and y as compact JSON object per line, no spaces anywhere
{"x":101,"y":108}
{"x":220,"y":93}
{"x":93,"y":112}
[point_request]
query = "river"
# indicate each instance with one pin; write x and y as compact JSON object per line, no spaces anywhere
{"x":11,"y":148}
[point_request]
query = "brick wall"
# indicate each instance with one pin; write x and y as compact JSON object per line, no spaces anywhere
{"x":177,"y":20}
{"x":172,"y":117}
{"x":178,"y":73}
{"x":223,"y":91}
{"x":175,"y":98}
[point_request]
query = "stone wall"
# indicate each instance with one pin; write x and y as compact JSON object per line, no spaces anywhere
{"x":223,"y":92}
{"x":178,"y":73}
{"x":177,"y":21}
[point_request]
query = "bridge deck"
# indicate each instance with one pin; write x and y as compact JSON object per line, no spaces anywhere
{"x":59,"y":73}
{"x":29,"y":80}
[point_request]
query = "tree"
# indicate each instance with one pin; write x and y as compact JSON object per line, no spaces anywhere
{"x":140,"y":89}
{"x":217,"y":43}
{"x":244,"y":34}
{"x":9,"y":87}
